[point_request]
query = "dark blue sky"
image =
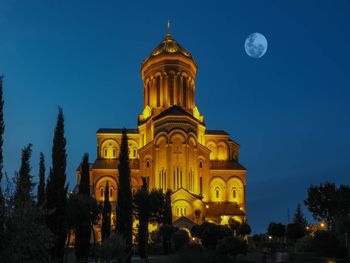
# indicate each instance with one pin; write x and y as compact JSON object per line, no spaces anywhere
{"x":289,"y":110}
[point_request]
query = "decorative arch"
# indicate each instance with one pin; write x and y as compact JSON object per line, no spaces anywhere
{"x":178,"y":132}
{"x":222,"y":150}
{"x":217,"y":188}
{"x":100,"y":185}
{"x":182,"y":207}
{"x":133,"y":147}
{"x":211,"y":145}
{"x":235,"y":190}
{"x":161,"y":136}
{"x":109,"y":149}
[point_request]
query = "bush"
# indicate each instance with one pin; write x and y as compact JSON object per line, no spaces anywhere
{"x":231,"y":246}
{"x":304,"y":244}
{"x":327,"y":244}
{"x":295,"y":231}
{"x":194,"y":253}
{"x":114,"y":248}
{"x":180,"y":239}
{"x":210,"y":233}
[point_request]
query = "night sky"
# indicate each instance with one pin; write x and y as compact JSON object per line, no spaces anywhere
{"x":289,"y":110}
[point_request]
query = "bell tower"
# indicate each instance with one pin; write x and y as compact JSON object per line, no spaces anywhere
{"x":168,"y":75}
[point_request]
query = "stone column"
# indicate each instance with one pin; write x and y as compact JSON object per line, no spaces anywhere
{"x":165,"y":90}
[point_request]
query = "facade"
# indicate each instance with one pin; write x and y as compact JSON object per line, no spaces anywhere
{"x":173,"y":148}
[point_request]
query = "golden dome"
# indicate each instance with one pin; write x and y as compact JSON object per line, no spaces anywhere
{"x":168,"y":46}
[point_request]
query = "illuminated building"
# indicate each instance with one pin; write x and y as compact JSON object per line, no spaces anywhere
{"x":173,"y":148}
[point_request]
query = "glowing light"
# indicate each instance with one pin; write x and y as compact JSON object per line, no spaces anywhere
{"x":322,"y":225}
{"x":270,"y":237}
{"x":193,"y":239}
{"x":207,"y":206}
{"x":241,"y":208}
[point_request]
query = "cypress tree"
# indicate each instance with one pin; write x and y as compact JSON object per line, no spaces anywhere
{"x":41,"y":186}
{"x":56,"y":191}
{"x":106,"y":215}
{"x":2,"y":128}
{"x":24,"y":184}
{"x":142,"y":212}
{"x":84,"y":186}
{"x":299,"y":217}
{"x":124,"y":200}
{"x":83,"y":230}
{"x":168,"y":214}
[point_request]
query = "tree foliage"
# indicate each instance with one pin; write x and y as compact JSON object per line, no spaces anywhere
{"x":26,"y":235}
{"x":276,"y":230}
{"x":168,"y":215}
{"x":149,"y":207}
{"x":326,"y":202}
{"x":41,"y":186}
{"x":2,"y":129}
{"x":210,"y":233}
{"x":106,"y":215}
{"x":124,"y":200}
{"x":84,"y":185}
{"x":231,"y":246}
{"x":244,"y":229}
{"x":299,"y":217}
{"x":56,"y":190}
{"x":24,"y":187}
{"x":82,"y":213}
{"x":295,"y":231}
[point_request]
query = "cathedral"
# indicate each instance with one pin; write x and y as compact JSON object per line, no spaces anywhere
{"x":173,"y":148}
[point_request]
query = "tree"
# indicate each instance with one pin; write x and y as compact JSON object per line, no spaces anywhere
{"x":168,"y":215}
{"x":167,"y":229}
{"x":326,"y":202}
{"x":2,"y":129}
{"x":299,"y":217}
{"x":83,"y":227}
{"x":276,"y":230}
{"x":56,"y":190}
{"x":27,"y":237}
{"x":244,"y":229}
{"x":124,"y":200}
{"x":210,"y":233}
{"x":41,"y":186}
{"x":142,"y":212}
{"x":106,"y":215}
{"x":84,"y":185}
{"x":232,"y":246}
{"x":295,"y":231}
{"x":24,"y":186}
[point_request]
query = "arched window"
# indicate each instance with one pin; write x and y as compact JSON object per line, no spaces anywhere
{"x":110,"y":192}
{"x":114,"y":152}
{"x":234,"y":192}
{"x":200,"y":165}
{"x":217,"y":192}
{"x":101,"y":191}
{"x":105,"y":150}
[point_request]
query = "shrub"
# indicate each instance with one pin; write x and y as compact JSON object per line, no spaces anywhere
{"x":327,"y":244}
{"x":231,"y":246}
{"x":210,"y":233}
{"x":180,"y":239}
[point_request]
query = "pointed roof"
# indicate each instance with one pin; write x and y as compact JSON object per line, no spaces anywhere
{"x":174,"y":111}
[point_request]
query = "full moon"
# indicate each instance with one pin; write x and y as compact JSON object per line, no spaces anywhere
{"x":255,"y":45}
